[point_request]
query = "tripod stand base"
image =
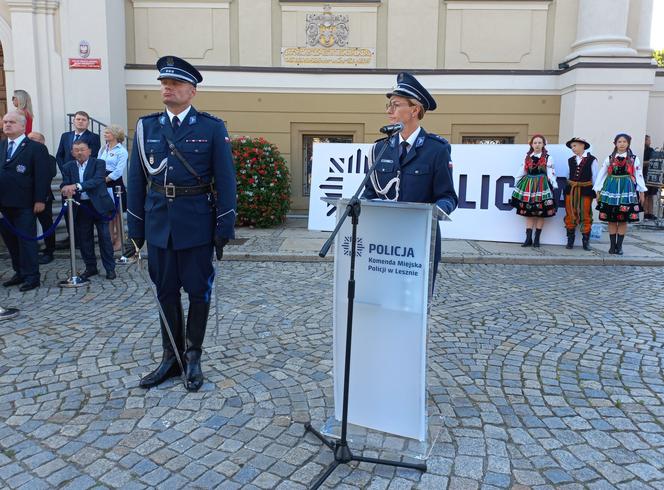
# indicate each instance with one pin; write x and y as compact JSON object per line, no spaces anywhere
{"x":74,"y":282}
{"x":343,"y":455}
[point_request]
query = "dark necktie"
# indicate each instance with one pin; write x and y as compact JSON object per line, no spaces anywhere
{"x":404,"y":151}
{"x":176,"y":123}
{"x":10,"y":149}
{"x":77,"y":137}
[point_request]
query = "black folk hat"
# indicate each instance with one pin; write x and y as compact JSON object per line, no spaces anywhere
{"x":178,"y":69}
{"x":408,"y":86}
{"x":578,"y":140}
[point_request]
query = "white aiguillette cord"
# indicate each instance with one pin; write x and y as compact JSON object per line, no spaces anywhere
{"x":393,"y":182}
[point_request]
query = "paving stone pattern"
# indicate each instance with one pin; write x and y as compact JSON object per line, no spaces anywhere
{"x":547,"y":377}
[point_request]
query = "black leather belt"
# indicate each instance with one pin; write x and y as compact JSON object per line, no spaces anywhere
{"x":172,"y":191}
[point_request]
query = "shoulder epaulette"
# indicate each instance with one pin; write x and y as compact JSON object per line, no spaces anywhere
{"x":211,"y":116}
{"x":440,"y":139}
{"x":154,"y":114}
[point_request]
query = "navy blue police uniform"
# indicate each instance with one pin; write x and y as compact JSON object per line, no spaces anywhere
{"x":181,"y":199}
{"x":424,"y":173}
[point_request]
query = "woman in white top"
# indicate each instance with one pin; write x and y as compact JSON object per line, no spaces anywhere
{"x":620,"y":187}
{"x":115,"y":156}
{"x":533,"y":193}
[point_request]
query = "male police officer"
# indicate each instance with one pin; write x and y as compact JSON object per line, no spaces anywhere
{"x":181,"y":199}
{"x":416,"y":165}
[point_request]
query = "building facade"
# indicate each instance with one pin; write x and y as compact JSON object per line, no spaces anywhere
{"x":301,"y":71}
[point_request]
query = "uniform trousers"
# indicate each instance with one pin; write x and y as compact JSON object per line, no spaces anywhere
{"x":190,"y":269}
{"x":23,"y":252}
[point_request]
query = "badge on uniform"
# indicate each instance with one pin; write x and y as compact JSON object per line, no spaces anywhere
{"x":192,"y":120}
{"x":151,"y":159}
{"x":20,"y":168}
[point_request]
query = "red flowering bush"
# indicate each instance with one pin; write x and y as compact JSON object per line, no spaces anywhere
{"x":263,"y":189}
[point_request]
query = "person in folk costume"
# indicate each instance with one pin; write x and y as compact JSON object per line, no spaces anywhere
{"x":533,"y":194}
{"x":579,"y":194}
{"x":620,"y":187}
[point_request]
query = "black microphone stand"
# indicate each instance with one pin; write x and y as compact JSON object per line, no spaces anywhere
{"x":342,"y":453}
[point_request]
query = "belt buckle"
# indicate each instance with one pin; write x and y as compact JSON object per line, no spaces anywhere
{"x":170,"y":190}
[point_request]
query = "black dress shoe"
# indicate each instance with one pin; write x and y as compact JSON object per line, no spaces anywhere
{"x":168,"y":368}
{"x":28,"y":286}
{"x":87,"y":274}
{"x":193,"y":370}
{"x":111,"y":275}
{"x":14,"y":281}
{"x":45,"y":259}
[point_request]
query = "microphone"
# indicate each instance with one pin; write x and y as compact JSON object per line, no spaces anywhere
{"x":392,"y":128}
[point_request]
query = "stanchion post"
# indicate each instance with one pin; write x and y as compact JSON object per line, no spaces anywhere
{"x":74,"y":281}
{"x":122,"y":260}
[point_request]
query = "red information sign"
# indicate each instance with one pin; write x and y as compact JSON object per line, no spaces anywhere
{"x":85,"y":63}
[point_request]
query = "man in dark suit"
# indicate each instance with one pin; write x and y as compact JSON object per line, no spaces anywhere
{"x":84,"y":178}
{"x":64,"y":153}
{"x":80,"y":132}
{"x":181,"y":200}
{"x":46,"y":216}
{"x":24,"y":185}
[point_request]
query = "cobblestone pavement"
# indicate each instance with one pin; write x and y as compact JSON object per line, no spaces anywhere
{"x":547,"y":377}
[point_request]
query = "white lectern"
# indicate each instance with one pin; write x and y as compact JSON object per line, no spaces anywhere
{"x":395,"y":248}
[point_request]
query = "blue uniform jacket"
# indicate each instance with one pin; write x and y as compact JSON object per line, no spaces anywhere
{"x":93,"y":184}
{"x":426,"y":173}
{"x":189,"y":221}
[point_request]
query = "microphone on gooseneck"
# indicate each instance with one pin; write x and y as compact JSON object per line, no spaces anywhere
{"x":392,"y":128}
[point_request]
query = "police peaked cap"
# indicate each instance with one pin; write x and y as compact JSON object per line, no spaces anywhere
{"x":578,"y":140}
{"x":408,"y":86}
{"x":178,"y":69}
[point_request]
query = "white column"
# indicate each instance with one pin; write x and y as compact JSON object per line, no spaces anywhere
{"x":101,"y":93}
{"x":602,"y":29}
{"x":642,"y":41}
{"x":598,"y":103}
{"x":37,"y":63}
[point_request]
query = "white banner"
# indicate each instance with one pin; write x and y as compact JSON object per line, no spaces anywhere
{"x":388,"y":360}
{"x":483,"y":178}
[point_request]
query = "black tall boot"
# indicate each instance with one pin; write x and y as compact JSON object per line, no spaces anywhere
{"x":195,"y":333}
{"x":619,"y":240}
{"x":529,"y":238}
{"x":169,"y":367}
{"x":538,"y":232}
{"x":585,"y":240}
{"x":612,"y":248}
{"x":570,"y":239}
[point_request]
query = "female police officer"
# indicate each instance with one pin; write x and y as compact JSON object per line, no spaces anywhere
{"x":416,"y":165}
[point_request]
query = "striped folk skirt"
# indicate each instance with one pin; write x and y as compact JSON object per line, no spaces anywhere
{"x":533,"y":196}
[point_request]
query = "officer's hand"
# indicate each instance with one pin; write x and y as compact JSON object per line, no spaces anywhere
{"x":38,"y":207}
{"x":219,"y":244}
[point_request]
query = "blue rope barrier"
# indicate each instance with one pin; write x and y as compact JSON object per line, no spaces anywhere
{"x":4,"y":221}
